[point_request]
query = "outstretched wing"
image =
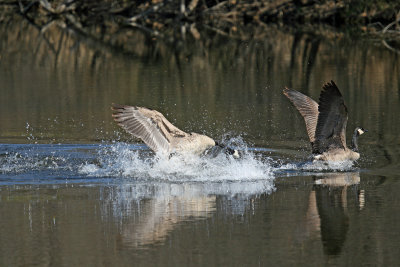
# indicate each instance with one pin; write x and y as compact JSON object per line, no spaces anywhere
{"x":148,"y":125}
{"x":332,"y":120}
{"x":307,"y":107}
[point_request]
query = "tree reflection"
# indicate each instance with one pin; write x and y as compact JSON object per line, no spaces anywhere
{"x":75,"y":76}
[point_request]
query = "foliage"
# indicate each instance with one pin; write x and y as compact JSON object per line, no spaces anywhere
{"x":225,"y":17}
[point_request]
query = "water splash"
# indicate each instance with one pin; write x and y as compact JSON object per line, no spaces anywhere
{"x":28,"y":160}
{"x":120,"y":160}
{"x":319,"y":166}
{"x":29,"y":133}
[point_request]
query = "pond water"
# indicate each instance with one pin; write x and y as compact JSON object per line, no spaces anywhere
{"x":75,"y":189}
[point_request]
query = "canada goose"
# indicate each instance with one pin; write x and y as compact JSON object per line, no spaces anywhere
{"x":160,"y":135}
{"x":326,"y":124}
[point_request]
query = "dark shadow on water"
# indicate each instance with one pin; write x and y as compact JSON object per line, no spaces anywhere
{"x":330,"y":199}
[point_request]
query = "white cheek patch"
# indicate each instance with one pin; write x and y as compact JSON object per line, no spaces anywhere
{"x":360,"y":132}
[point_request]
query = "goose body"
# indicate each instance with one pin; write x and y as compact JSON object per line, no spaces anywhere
{"x":192,"y":143}
{"x":159,"y":134}
{"x":326,"y":124}
{"x":338,"y":154}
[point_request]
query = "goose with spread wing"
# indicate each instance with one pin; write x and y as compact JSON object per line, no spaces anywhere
{"x":326,"y":124}
{"x":160,"y":135}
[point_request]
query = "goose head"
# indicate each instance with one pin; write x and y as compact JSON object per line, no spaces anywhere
{"x":230,"y":151}
{"x":233,"y":152}
{"x":359,"y":131}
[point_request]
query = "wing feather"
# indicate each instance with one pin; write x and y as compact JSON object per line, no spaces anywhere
{"x":148,"y":125}
{"x":332,"y":120}
{"x":307,"y":107}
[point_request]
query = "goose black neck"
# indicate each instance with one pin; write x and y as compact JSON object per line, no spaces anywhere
{"x":219,"y":144}
{"x":354,"y":141}
{"x":229,"y":150}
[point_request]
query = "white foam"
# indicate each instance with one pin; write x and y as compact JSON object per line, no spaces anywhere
{"x":120,"y":160}
{"x":318,"y":166}
{"x":89,"y":168}
{"x":164,"y":190}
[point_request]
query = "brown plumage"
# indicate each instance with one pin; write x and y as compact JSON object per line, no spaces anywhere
{"x":307,"y":107}
{"x":326,"y":123}
{"x":158,"y":133}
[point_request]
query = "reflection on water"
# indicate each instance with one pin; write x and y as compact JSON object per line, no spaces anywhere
{"x":327,"y":210}
{"x":301,"y":221}
{"x":338,"y":179}
{"x":158,"y":218}
{"x":151,"y":211}
{"x":149,"y":196}
{"x":65,"y":199}
{"x":102,"y":222}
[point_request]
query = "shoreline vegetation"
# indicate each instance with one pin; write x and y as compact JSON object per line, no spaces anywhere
{"x":241,"y":20}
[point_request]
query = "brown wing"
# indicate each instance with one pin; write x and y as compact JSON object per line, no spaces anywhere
{"x":332,"y":120}
{"x":307,"y":107}
{"x":148,"y":125}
